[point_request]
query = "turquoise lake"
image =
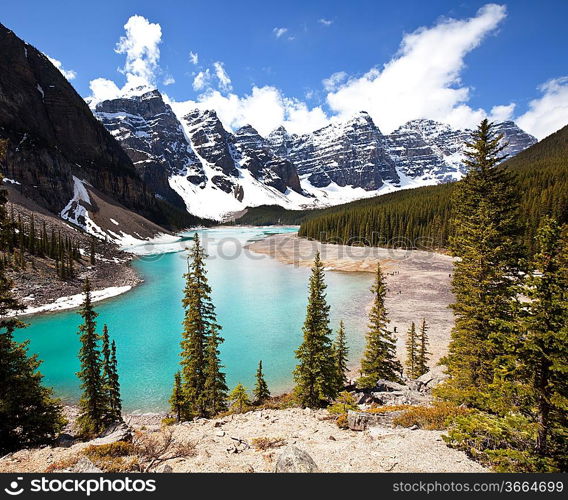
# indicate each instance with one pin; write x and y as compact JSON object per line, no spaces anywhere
{"x":260,"y":304}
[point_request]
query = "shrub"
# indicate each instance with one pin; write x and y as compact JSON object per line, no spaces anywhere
{"x":118,"y":449}
{"x":281,"y":402}
{"x":65,"y":463}
{"x":435,"y":417}
{"x":504,"y":443}
{"x":342,"y":421}
{"x":153,"y":450}
{"x":344,"y":402}
{"x":113,"y":457}
{"x":168,"y":421}
{"x":266,"y":443}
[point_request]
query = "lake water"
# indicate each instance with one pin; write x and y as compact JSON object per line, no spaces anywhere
{"x":260,"y":304}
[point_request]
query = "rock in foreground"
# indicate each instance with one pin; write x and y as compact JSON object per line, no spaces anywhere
{"x":293,"y":459}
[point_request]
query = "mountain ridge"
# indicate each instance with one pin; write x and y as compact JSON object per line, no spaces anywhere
{"x":53,"y":139}
{"x":338,"y":163}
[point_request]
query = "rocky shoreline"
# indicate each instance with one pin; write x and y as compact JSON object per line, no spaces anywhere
{"x":418,"y":282}
{"x":40,"y":290}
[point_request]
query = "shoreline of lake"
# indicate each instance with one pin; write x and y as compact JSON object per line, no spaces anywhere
{"x":418,"y":282}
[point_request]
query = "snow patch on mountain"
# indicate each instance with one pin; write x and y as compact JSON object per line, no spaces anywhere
{"x":77,"y":210}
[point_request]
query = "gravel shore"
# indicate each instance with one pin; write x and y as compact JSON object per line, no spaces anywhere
{"x":227,"y":445}
{"x":418,"y":281}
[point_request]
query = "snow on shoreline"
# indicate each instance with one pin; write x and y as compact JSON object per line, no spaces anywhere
{"x":74,"y":301}
{"x":161,"y":243}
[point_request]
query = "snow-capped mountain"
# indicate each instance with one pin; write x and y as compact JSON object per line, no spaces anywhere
{"x":193,"y":160}
{"x":352,"y":153}
{"x":433,"y":152}
{"x":153,"y":138}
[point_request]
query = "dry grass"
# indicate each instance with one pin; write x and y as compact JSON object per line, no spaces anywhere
{"x":115,"y":457}
{"x":341,"y":421}
{"x":266,"y":443}
{"x":153,"y":450}
{"x":435,"y":417}
{"x":66,"y":463}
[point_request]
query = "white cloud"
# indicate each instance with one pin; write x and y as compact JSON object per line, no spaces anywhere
{"x":103,"y":89}
{"x":265,"y":109}
{"x":69,"y":74}
{"x":502,"y":113}
{"x":333,"y":82}
{"x":169,"y":80}
{"x":222,"y":76}
{"x":548,"y":113}
{"x":278,"y":32}
{"x":140,"y":44}
{"x":202,"y":80}
{"x":423,"y":79}
{"x":325,"y":22}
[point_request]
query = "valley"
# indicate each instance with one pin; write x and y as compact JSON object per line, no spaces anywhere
{"x":371,"y":284}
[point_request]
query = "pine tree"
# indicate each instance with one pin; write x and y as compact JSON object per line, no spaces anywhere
{"x":260,"y":392}
{"x":29,"y":414}
{"x":315,"y":374}
{"x":110,"y":378}
{"x":215,"y":384}
{"x":199,"y":324}
{"x":340,"y":356}
{"x":379,"y":359}
{"x":177,"y":400}
{"x":115,"y":399}
{"x":239,"y":398}
{"x":423,"y":354}
{"x":105,"y":371}
{"x":412,"y":352}
{"x":485,"y":238}
{"x":93,"y":401}
{"x":543,"y":349}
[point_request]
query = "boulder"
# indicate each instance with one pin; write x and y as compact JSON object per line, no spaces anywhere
{"x":406,"y":397}
{"x":116,"y":432}
{"x":65,"y":440}
{"x":362,"y":398}
{"x":431,"y":379}
{"x":164,"y":469}
{"x":388,"y":386}
{"x":293,"y":459}
{"x":360,"y":421}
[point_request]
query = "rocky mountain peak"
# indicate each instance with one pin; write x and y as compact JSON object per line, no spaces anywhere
{"x":350,"y":156}
{"x":517,"y":139}
{"x":153,"y":138}
{"x":350,"y":153}
{"x":280,"y":141}
{"x":361,"y":119}
{"x":210,"y":140}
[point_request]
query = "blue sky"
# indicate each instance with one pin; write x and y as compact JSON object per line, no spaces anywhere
{"x":466,"y":62}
